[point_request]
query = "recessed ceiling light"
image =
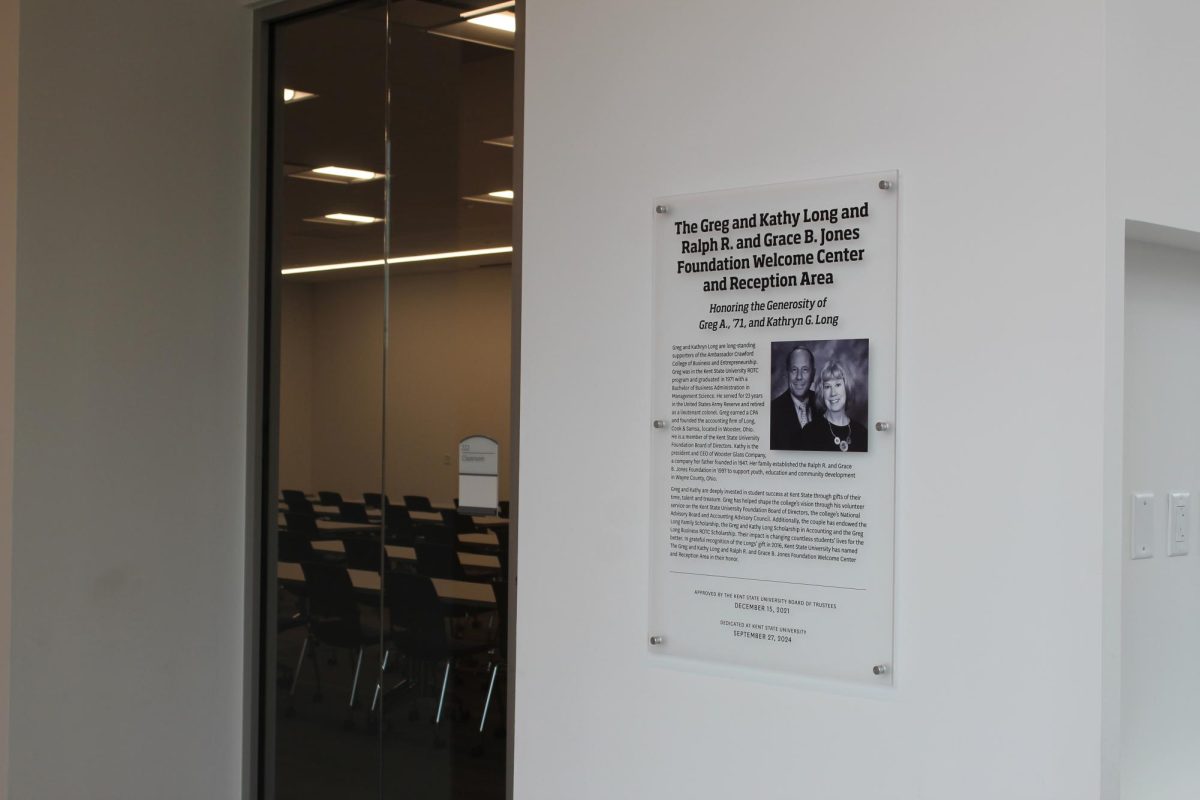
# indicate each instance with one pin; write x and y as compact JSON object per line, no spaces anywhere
{"x":295,"y":95}
{"x":343,"y":175}
{"x":379,"y":262}
{"x":345,"y":219}
{"x":502,"y":197}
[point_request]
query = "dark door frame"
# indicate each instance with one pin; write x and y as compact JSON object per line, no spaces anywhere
{"x":262,"y":439}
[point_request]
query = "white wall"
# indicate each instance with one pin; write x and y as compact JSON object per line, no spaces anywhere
{"x":1153,"y":123}
{"x":8,"y":272}
{"x":1152,"y":173}
{"x":131,"y":404}
{"x":1161,"y":703}
{"x":994,"y":114}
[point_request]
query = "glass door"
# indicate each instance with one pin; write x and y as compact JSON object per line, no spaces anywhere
{"x":447,"y":401}
{"x":329,"y":195}
{"x":385,"y":593}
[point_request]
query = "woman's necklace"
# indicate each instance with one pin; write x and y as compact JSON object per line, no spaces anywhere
{"x":843,"y":444}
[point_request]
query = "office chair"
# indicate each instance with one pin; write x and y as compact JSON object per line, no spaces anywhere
{"x":334,"y":620}
{"x":375,"y":499}
{"x":399,"y":525}
{"x":438,"y":561}
{"x":416,"y":502}
{"x":363,"y":552}
{"x":419,"y":628}
{"x":353,"y":512}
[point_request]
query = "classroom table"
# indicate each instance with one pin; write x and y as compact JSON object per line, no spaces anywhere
{"x":482,"y":521}
{"x":436,"y":506}
{"x":484,"y":539}
{"x":406,"y":553}
{"x":449,"y":590}
{"x":333,"y":527}
{"x":334,"y":511}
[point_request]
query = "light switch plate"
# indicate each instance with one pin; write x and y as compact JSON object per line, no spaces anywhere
{"x":1179,"y":523}
{"x":1141,"y":539}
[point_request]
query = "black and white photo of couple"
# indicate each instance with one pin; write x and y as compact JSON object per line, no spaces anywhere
{"x":819,"y":395}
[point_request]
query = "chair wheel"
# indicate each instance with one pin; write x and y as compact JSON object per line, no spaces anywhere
{"x":439,"y":743}
{"x":348,"y":724}
{"x":477,"y":750}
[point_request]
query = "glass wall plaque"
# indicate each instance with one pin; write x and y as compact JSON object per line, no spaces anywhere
{"x":773,"y":474}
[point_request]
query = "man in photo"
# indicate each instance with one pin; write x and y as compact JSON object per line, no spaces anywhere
{"x":795,"y":408}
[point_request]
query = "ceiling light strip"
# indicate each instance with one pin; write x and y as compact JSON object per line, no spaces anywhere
{"x":488,"y":9}
{"x":347,"y":172}
{"x":486,"y":251}
{"x":351,"y":219}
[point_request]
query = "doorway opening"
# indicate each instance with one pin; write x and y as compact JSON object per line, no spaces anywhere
{"x":384,"y":485}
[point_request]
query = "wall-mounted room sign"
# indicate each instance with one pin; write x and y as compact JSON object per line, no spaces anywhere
{"x":478,"y":475}
{"x":773,"y":507}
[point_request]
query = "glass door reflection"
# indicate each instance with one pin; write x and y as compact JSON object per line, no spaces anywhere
{"x":448,"y":376}
{"x":329,"y":195}
{"x":392,"y":190}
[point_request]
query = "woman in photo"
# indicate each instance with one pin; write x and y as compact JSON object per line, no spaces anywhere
{"x":834,"y":430}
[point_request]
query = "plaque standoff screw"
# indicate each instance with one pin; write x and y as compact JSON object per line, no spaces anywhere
{"x":883,"y":426}
{"x":661,"y":209}
{"x":656,"y":640}
{"x":886,"y":185}
{"x":660,"y":423}
{"x":880,"y":669}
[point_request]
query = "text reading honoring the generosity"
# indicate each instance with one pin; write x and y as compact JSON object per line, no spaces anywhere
{"x":769,"y":240}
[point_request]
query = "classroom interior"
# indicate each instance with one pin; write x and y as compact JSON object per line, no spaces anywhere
{"x":384,"y":660}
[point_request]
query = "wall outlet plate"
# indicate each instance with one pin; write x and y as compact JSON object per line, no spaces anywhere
{"x":1179,"y":523}
{"x":1141,"y":539}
